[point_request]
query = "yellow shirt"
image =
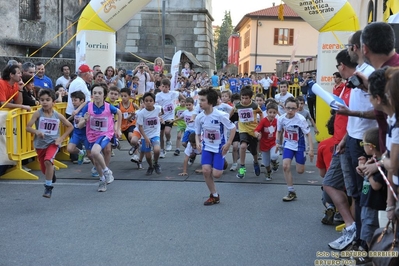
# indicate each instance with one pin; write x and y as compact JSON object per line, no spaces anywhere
{"x":247,"y":119}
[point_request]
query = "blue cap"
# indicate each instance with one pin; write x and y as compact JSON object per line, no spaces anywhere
{"x":129,"y":73}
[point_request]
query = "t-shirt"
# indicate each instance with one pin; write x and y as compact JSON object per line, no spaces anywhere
{"x":374,"y":199}
{"x":233,"y":85}
{"x":281,"y":100}
{"x":6,"y":91}
{"x":212,"y":126}
{"x":77,"y":85}
{"x":246,"y":81}
{"x":126,"y":113}
{"x":215,"y":81}
{"x":50,"y":126}
{"x":62,"y":81}
{"x":78,"y":131}
{"x":265,"y":82}
{"x":305,"y":113}
{"x":295,"y":129}
{"x":325,"y":152}
{"x":224,"y":107}
{"x":178,"y":111}
{"x":44,"y":82}
{"x":185,"y":72}
{"x":150,"y":121}
{"x":247,"y":121}
{"x":392,"y":137}
{"x":338,"y":89}
{"x":341,"y":121}
{"x":268,"y":130}
{"x":168,"y":103}
{"x":187,"y":115}
{"x":189,"y":150}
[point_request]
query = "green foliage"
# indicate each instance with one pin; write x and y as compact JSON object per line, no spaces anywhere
{"x":224,"y":33}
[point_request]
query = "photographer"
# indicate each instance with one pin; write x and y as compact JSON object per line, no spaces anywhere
{"x":119,"y":80}
{"x":306,"y":87}
{"x":143,"y":73}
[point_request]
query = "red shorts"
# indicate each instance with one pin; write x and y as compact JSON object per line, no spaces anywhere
{"x":47,"y":154}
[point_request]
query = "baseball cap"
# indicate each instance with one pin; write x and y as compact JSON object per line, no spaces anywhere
{"x":84,"y":68}
{"x":129,"y":73}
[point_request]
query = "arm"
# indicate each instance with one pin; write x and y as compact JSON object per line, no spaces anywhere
{"x":29,"y":127}
{"x":185,"y":164}
{"x":375,"y":185}
{"x":341,"y":145}
{"x":314,"y":125}
{"x":279,"y":138}
{"x":310,"y":142}
{"x":147,"y":141}
{"x":343,"y":110}
{"x":118,"y":132}
{"x":77,"y":110}
{"x":67,"y":131}
{"x":322,"y":172}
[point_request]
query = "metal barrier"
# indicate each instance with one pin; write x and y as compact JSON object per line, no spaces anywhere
{"x":20,"y":146}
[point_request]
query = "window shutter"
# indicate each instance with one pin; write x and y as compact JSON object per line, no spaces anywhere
{"x":276,"y":36}
{"x":291,"y":37}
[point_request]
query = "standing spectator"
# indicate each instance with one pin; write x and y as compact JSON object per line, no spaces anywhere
{"x":65,"y":78}
{"x":274,"y":84}
{"x":9,"y":88}
{"x":339,"y":85}
{"x":28,"y":68}
{"x":265,"y":82}
{"x":159,"y":65}
{"x":310,"y":96}
{"x":109,"y":75}
{"x":28,"y":97}
{"x":215,"y":80}
{"x":142,"y":72}
{"x":40,"y":79}
{"x":186,"y":70}
{"x":81,"y":83}
{"x":96,"y":69}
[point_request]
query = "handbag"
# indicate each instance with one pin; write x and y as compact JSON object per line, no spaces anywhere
{"x":384,"y":250}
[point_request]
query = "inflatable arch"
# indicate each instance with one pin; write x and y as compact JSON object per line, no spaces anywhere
{"x":95,"y":39}
{"x":335,"y":20}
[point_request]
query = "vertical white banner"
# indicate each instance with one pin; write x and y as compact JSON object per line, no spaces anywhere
{"x":3,"y":147}
{"x":80,"y":49}
{"x":174,"y":70}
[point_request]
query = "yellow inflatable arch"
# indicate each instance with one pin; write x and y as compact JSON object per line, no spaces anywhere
{"x":335,"y":20}
{"x":95,"y":39}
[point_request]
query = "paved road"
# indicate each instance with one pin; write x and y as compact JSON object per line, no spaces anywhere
{"x":137,"y":222}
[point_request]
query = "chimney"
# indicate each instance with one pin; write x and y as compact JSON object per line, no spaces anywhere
{"x":273,"y":4}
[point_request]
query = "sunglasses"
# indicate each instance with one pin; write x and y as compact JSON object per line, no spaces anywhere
{"x":291,"y":108}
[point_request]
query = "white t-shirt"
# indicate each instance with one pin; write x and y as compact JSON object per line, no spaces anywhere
{"x":187,"y":117}
{"x":142,"y":81}
{"x":281,"y":99}
{"x":224,"y":107}
{"x":212,"y":126}
{"x":295,"y":130}
{"x":189,"y":150}
{"x":150,"y":121}
{"x":168,"y":103}
{"x":392,"y":138}
{"x":266,"y":83}
{"x":359,"y":100}
{"x":185,"y":72}
{"x":62,"y":81}
{"x":77,"y":85}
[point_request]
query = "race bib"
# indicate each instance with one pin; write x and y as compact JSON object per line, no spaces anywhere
{"x":246,"y":115}
{"x":125,"y":115}
{"x":212,"y":136}
{"x":179,"y":113}
{"x":49,"y":126}
{"x":187,"y":119}
{"x":151,"y":122}
{"x":99,"y":124}
{"x":76,"y":120}
{"x":291,"y":135}
{"x":167,"y":109}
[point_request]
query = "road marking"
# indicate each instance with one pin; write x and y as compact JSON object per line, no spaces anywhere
{"x":56,"y":184}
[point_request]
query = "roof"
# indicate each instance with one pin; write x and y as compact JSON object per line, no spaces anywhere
{"x":268,"y":13}
{"x":273,"y":12}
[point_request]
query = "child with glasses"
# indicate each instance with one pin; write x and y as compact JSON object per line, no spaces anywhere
{"x":292,"y":129}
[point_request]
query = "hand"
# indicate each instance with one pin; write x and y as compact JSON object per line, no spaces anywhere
{"x":316,"y":131}
{"x":277,"y":147}
{"x":118,"y":134}
{"x":199,"y":148}
{"x":311,"y":155}
{"x":258,"y":135}
{"x":369,"y":169}
{"x":391,"y":215}
{"x":74,"y":113}
{"x":86,"y":116}
{"x":364,"y":79}
{"x":183,"y":174}
{"x":225,"y":149}
{"x":40,"y":134}
{"x":147,"y":143}
{"x":361,"y":160}
{"x":58,"y":141}
{"x":340,"y":148}
{"x":343,"y":110}
{"x":26,"y":107}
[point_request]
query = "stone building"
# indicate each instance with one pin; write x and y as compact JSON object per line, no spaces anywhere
{"x":35,"y":22}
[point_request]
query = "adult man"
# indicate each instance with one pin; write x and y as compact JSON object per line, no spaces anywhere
{"x":334,"y":181}
{"x":28,"y":68}
{"x":40,"y":79}
{"x":358,"y":123}
{"x":295,"y":80}
{"x":339,"y":85}
{"x":142,"y":72}
{"x":96,"y":69}
{"x":310,"y":96}
{"x":265,"y":82}
{"x":274,"y":84}
{"x":81,"y":83}
{"x":9,"y":88}
{"x":215,"y":80}
{"x":65,"y":78}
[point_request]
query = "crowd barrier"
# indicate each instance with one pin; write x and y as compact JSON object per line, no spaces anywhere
{"x":20,"y":147}
{"x":295,"y":90}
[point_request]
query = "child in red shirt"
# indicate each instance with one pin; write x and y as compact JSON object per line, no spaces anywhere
{"x":266,"y":133}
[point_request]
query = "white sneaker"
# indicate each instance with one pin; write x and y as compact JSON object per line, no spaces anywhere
{"x":109,"y":178}
{"x":233,"y":167}
{"x":135,"y":158}
{"x":162,"y":154}
{"x":345,"y":240}
{"x":168,"y":146}
{"x":94,"y":172}
{"x":86,"y":160}
{"x":26,"y":168}
{"x":112,"y":154}
{"x":102,"y":186}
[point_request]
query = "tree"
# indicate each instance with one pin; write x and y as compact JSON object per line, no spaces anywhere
{"x":225,"y":32}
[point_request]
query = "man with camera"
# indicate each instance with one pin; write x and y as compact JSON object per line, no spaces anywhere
{"x":307,"y":85}
{"x":143,"y":73}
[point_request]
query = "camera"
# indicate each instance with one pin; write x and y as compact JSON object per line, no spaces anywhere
{"x":354,"y":82}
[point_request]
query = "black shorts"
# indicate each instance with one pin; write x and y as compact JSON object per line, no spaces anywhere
{"x":236,"y":137}
{"x":127,"y":131}
{"x":166,"y":124}
{"x":251,"y":141}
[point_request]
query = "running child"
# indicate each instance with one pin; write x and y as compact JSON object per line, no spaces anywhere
{"x":282,"y":96}
{"x":293,"y":127}
{"x":186,"y":118}
{"x":136,"y":140}
{"x":47,"y":139}
{"x":100,"y":128}
{"x":181,"y":125}
{"x":235,"y":98}
{"x":247,"y":111}
{"x":214,"y":147}
{"x":266,"y":133}
{"x":78,"y":134}
{"x":305,"y":113}
{"x":150,"y":127}
{"x":189,"y":152}
{"x":226,"y":97}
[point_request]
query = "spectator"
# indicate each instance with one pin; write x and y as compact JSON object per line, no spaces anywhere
{"x":40,"y":79}
{"x":65,"y":78}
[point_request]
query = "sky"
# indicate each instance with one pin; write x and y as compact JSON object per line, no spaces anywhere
{"x":238,"y":8}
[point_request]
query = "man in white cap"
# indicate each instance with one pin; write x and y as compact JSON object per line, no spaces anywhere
{"x":81,"y":83}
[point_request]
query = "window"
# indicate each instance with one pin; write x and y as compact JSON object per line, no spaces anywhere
{"x":169,"y":40}
{"x":246,"y":39}
{"x":28,"y":9}
{"x":283,"y":36}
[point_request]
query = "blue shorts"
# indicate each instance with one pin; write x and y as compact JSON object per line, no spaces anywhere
{"x":102,"y":141}
{"x":79,"y":139}
{"x":186,"y":135}
{"x":216,"y":160}
{"x":300,"y":156}
{"x":127,"y":131}
{"x":155,"y":141}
